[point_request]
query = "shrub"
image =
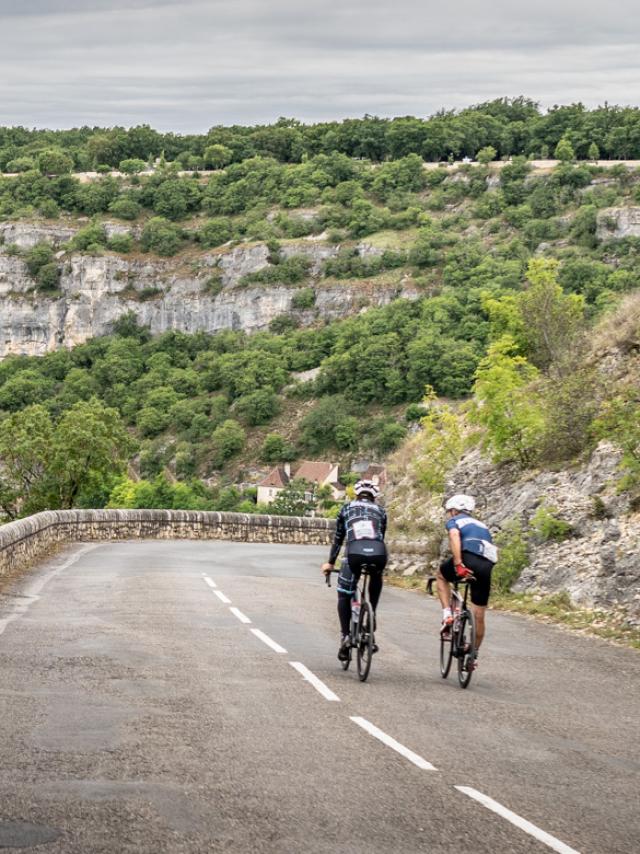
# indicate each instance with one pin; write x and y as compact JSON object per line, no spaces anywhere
{"x":291,"y":271}
{"x":125,"y":208}
{"x":89,"y":237}
{"x":227,"y":440}
{"x":121,"y":243}
{"x":215,"y":232}
{"x":258,"y":407}
{"x":513,"y":556}
{"x":48,"y":277}
{"x":414,"y":412}
{"x":283,"y":323}
{"x":276,"y":449}
{"x":303,"y":299}
{"x":48,"y":209}
{"x":546,"y":526}
{"x":161,"y":236}
{"x":37,"y":257}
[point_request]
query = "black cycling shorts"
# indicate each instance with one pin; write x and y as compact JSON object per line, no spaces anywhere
{"x":481,"y":567}
{"x":372,"y":553}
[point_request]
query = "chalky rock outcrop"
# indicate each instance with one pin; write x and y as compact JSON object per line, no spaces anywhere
{"x":617,"y":223}
{"x":204,"y":294}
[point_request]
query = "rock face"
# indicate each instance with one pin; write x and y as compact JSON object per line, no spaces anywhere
{"x":616,"y":223}
{"x":206,"y":295}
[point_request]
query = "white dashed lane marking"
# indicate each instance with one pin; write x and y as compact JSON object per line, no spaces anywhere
{"x":393,"y":744}
{"x":318,"y":684}
{"x":269,"y":641}
{"x":522,"y":823}
{"x":238,"y":613}
{"x":222,"y":597}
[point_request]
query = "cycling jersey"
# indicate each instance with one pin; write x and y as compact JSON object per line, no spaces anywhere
{"x":475,"y":536}
{"x":358,"y":521}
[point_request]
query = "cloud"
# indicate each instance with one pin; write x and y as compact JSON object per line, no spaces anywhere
{"x":187,"y":65}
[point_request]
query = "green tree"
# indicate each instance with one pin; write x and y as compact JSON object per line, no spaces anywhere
{"x":217,"y":156}
{"x":552,"y":320}
{"x":507,"y":405}
{"x":564,"y":151}
{"x":132,"y":166}
{"x":227,"y":440}
{"x":89,"y":439}
{"x":25,"y":442}
{"x":45,"y":465}
{"x":258,"y":407}
{"x":296,"y":499}
{"x":276,"y":449}
{"x":440,"y":443}
{"x":54,"y":161}
{"x":594,"y":152}
{"x":486,"y":155}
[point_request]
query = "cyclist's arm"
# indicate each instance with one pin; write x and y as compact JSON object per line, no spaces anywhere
{"x":338,"y":539}
{"x":455,"y":542}
{"x":383,"y":524}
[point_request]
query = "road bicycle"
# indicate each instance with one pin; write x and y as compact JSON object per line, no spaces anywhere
{"x":460,"y":641}
{"x":362,"y":624}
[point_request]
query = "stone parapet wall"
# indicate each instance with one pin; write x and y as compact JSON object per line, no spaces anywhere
{"x":25,"y":540}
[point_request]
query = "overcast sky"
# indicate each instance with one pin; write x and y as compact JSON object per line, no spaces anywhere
{"x":186,"y":65}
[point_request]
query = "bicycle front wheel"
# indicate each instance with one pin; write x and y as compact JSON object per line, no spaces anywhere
{"x":365,"y":641}
{"x":466,"y":647}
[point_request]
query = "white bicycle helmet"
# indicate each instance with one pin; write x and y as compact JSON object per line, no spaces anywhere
{"x":461,"y":502}
{"x":366,"y":487}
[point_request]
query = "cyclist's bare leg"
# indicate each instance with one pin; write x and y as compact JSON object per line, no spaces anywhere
{"x":478,"y":613}
{"x":444,"y":590}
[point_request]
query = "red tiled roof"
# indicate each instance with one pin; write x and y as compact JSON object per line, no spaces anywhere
{"x":277,"y":477}
{"x":314,"y":472}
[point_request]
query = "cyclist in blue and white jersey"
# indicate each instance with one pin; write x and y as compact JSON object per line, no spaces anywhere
{"x":473,"y":553}
{"x":364,"y":524}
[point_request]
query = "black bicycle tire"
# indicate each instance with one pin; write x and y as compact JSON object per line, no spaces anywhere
{"x":364,"y":650}
{"x":445,"y":667}
{"x":464,"y":658}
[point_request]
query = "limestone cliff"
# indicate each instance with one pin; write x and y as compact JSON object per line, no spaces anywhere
{"x":172,"y":294}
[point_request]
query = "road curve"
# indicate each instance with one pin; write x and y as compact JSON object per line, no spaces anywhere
{"x":185,"y":697}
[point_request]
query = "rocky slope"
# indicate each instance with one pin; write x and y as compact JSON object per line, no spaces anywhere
{"x":173,"y":294}
{"x":597,"y":564}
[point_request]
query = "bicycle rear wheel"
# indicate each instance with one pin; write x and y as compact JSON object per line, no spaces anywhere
{"x":364,"y":652}
{"x":467,"y":647}
{"x":446,"y":654}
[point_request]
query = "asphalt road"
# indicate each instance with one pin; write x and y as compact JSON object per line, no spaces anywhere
{"x":139,"y":712}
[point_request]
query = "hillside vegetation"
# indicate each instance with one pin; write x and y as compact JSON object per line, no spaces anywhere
{"x":511,"y":271}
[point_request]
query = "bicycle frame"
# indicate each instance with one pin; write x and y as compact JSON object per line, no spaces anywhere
{"x":360,"y":640}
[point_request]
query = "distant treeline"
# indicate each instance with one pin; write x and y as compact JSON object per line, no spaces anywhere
{"x":510,"y":126}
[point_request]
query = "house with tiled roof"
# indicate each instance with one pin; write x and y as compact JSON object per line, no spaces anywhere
{"x":314,"y":471}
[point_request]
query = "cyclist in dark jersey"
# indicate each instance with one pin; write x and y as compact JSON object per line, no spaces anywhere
{"x":364,"y":524}
{"x":473,"y":553}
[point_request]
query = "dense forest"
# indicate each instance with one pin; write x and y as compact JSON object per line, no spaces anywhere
{"x":513,"y":268}
{"x":513,"y":127}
